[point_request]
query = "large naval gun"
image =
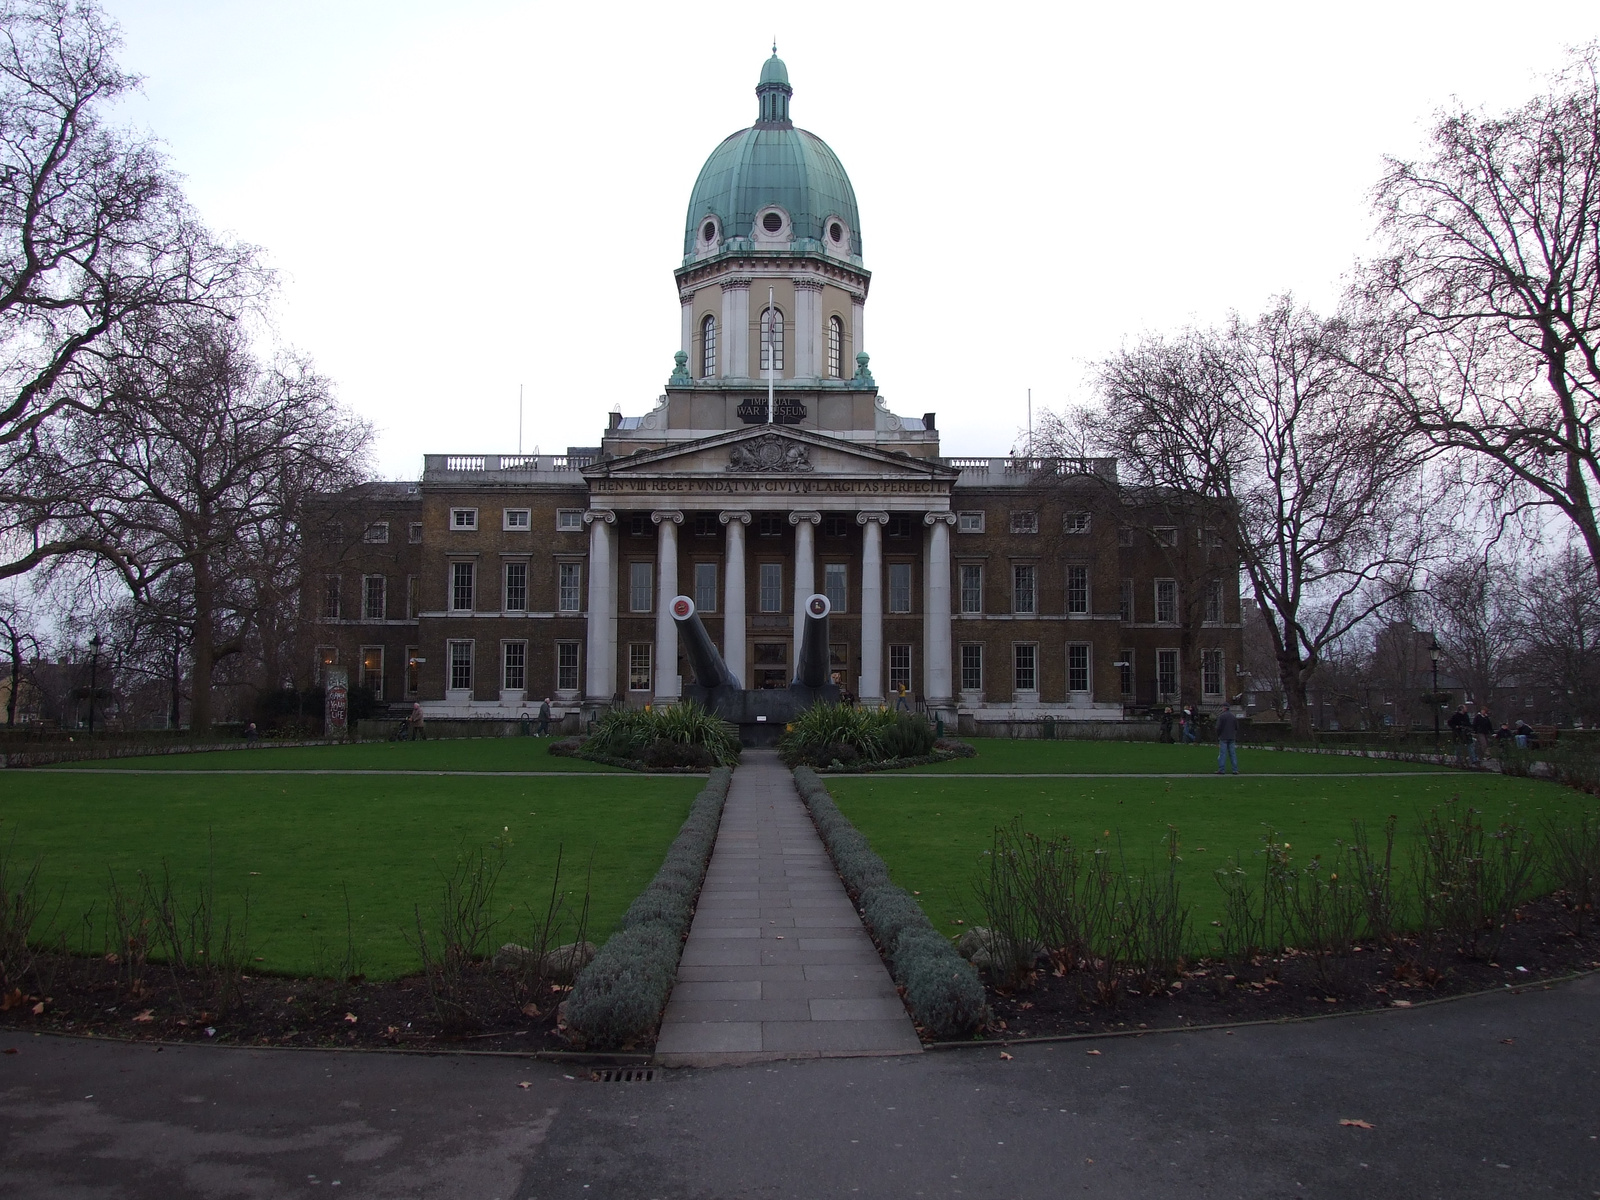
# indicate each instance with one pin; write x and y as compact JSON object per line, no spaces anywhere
{"x":760,"y":713}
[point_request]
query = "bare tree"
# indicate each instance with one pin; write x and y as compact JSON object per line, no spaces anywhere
{"x":203,"y":459}
{"x":1483,"y":316}
{"x":1264,"y":431}
{"x":1474,"y":606}
{"x":1560,"y":618}
{"x":94,"y":237}
{"x":16,"y":628}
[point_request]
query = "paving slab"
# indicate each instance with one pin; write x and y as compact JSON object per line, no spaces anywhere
{"x":777,"y":964}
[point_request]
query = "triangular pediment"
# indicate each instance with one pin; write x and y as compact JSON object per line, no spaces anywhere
{"x":767,"y":451}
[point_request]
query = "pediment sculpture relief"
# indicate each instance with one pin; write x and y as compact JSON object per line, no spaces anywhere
{"x":769,"y":452}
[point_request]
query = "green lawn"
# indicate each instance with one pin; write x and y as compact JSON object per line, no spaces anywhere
{"x":1007,"y":756}
{"x":441,"y":754}
{"x":932,"y":831}
{"x":293,"y":841}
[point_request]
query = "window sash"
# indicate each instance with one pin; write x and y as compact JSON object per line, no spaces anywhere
{"x":515,"y":658}
{"x":567,"y":666}
{"x":899,"y":587}
{"x":569,"y":520}
{"x":372,"y":669}
{"x":461,"y":581}
{"x":969,"y":522}
{"x":1167,"y":601}
{"x":1214,"y":601}
{"x":1125,"y":602}
{"x":771,"y":339}
{"x":971,"y":589}
{"x":1125,"y":671}
{"x":639,"y":666}
{"x":377,"y":533}
{"x":1025,"y":521}
{"x":1025,"y":664}
{"x":972,"y":667}
{"x":518,"y":519}
{"x":835,"y":348}
{"x":708,"y":347}
{"x":1078,"y":667}
{"x":569,"y":587}
{"x":1211,"y":672}
{"x":330,"y":598}
{"x":705,"y":587}
{"x":463,"y":518}
{"x":1167,"y":672}
{"x":899,"y":668}
{"x":641,"y":575}
{"x":516,"y":587}
{"x":461,"y":666}
{"x":836,"y":584}
{"x":1024,"y":590}
{"x":1077,"y":589}
{"x":375,"y":597}
{"x":771,"y":587}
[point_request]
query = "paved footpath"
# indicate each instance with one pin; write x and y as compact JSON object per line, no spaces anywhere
{"x":777,"y":964}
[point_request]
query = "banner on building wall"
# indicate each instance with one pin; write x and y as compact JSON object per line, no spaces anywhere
{"x":336,"y":704}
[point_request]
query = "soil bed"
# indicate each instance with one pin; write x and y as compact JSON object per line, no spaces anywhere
{"x":1539,"y":944}
{"x":89,"y":997}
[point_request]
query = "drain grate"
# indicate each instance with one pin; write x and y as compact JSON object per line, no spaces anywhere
{"x":624,"y":1075}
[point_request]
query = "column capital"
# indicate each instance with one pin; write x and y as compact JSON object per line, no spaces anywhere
{"x":741,"y":515}
{"x":810,"y":515}
{"x":599,"y":514}
{"x":936,"y":518}
{"x":882,"y":518}
{"x":675,"y":515}
{"x":808,"y":285}
{"x":736,"y":284}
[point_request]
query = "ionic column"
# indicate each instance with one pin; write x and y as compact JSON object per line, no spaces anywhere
{"x":858,"y":330}
{"x":686,"y":302}
{"x":805,"y":569}
{"x":668,"y":686}
{"x":733,"y":594}
{"x":600,"y":681}
{"x":870,"y":688}
{"x":734,"y":358}
{"x":936,"y":610}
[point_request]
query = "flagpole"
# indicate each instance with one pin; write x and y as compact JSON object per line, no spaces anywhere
{"x":519,"y":418}
{"x":772,"y":346}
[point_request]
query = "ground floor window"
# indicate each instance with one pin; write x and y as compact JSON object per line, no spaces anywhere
{"x":972,"y":667}
{"x":1211,"y":672}
{"x":705,"y":587}
{"x":1166,"y":674}
{"x":836,"y":584}
{"x":413,"y":672}
{"x":569,"y":587}
{"x":899,"y":668}
{"x":372,"y":669}
{"x":771,"y":663}
{"x":567,"y":666}
{"x":1078,"y":667}
{"x":460,"y":665}
{"x":514,"y":656}
{"x":1025,"y":661}
{"x":1125,"y":670}
{"x":771,"y":587}
{"x":639,"y":666}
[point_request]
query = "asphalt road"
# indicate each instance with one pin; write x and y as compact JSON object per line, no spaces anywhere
{"x":1492,"y":1096}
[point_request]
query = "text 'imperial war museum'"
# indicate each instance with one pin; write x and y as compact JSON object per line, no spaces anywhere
{"x":999,"y":589}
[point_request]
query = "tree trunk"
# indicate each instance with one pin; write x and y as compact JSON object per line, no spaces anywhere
{"x":16,"y":681}
{"x":177,"y":681}
{"x":202,"y":652}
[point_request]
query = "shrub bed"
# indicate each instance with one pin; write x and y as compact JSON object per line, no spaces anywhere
{"x":683,"y":737}
{"x":836,"y":737}
{"x":943,"y":990}
{"x":617,"y":1000}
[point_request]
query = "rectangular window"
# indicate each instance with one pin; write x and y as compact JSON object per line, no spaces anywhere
{"x":899,"y":587}
{"x":463,"y":518}
{"x":1078,"y":667}
{"x":411,"y":597}
{"x":769,"y":526}
{"x":1167,"y":535}
{"x":330,"y":597}
{"x":374,"y":597}
{"x":461,"y":581}
{"x":1167,"y":601}
{"x":413,"y":672}
{"x":1125,"y":601}
{"x":900,"y":525}
{"x":1125,"y":535}
{"x":377,"y":533}
{"x":836,"y":525}
{"x":639,"y":666}
{"x":1026,"y":521}
{"x":771,"y":587}
{"x":899,"y":669}
{"x":569,"y":520}
{"x":969,"y":522}
{"x":1075,"y":522}
{"x":1077,"y":589}
{"x":971,"y":588}
{"x":518,"y":519}
{"x":414,"y":532}
{"x":1125,"y":670}
{"x":1211,"y":672}
{"x":1166,"y":674}
{"x":1214,"y":601}
{"x":514,"y":657}
{"x":705,"y":525}
{"x":770,"y":659}
{"x":460,"y":666}
{"x":516,"y":586}
{"x":566,"y":666}
{"x":1024,"y":590}
{"x":372,"y":670}
{"x":971,"y":667}
{"x":705,"y":587}
{"x":569,"y":587}
{"x":640,"y":577}
{"x":836,"y":584}
{"x":1025,"y":663}
{"x":639,"y":525}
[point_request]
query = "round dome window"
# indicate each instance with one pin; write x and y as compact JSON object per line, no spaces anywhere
{"x":709,"y":233}
{"x":772,"y":222}
{"x":836,"y":232}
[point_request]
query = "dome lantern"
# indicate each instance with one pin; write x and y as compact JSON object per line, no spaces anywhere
{"x":773,"y":92}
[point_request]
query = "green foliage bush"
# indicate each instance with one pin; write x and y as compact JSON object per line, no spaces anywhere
{"x":828,"y":733}
{"x":618,"y":998}
{"x":942,"y":989}
{"x":684,"y":735}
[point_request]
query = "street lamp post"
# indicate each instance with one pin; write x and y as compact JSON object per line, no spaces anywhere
{"x":94,"y":673}
{"x":1433,"y":653}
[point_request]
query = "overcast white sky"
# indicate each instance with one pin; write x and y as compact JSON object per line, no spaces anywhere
{"x":466,"y":197}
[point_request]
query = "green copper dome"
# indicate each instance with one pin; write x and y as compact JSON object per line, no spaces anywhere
{"x":773,"y":164}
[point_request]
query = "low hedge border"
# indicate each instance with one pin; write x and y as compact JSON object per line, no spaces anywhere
{"x":942,"y":989}
{"x":947,"y":753}
{"x":573,"y":748}
{"x":617,"y":1000}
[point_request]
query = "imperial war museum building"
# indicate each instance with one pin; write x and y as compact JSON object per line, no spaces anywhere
{"x":998,"y":593}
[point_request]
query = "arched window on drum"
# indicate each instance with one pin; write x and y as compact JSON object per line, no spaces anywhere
{"x":771,"y":340}
{"x":708,"y":347}
{"x":835,"y":348}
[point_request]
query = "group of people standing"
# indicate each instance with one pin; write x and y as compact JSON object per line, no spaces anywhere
{"x":1187,"y":722}
{"x":1472,"y":732}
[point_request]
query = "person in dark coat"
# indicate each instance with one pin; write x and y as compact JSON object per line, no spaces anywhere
{"x":1482,"y":731}
{"x":1461,"y":731}
{"x":544,"y":717}
{"x":1227,"y":740}
{"x":1166,"y":724}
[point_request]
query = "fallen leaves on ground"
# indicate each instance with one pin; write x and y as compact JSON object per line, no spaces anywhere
{"x":148,"y":1014}
{"x":1005,"y":1056}
{"x":1355,"y":1123}
{"x":1091,"y":1052}
{"x":524,"y":1085}
{"x":351,"y":1017}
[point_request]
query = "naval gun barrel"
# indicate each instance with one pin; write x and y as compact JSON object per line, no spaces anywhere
{"x":710,"y":672}
{"x":811,"y":663}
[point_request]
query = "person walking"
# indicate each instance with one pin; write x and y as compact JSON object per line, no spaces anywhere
{"x":901,"y":704}
{"x":1191,"y":728}
{"x":1482,"y":731}
{"x":1461,"y":731}
{"x":1166,"y":724}
{"x":544,"y":717}
{"x":414,"y":724}
{"x":1227,"y":740}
